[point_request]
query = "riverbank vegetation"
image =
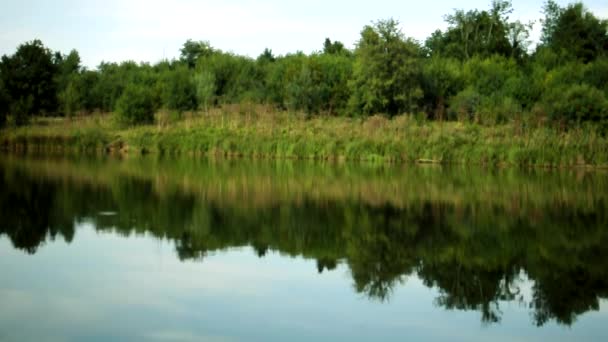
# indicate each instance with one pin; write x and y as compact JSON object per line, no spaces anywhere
{"x":475,"y":92}
{"x":260,"y":132}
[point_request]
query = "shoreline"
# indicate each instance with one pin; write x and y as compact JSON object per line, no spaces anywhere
{"x":222,"y":133}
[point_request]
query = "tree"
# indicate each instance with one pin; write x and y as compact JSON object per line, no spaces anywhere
{"x":67,"y":66}
{"x":552,"y":12}
{"x":334,"y":48}
{"x":387,"y":71}
{"x":281,"y":77}
{"x":70,"y":99}
{"x":479,"y":33}
{"x":518,"y":36}
{"x":192,"y":51}
{"x":491,"y":86}
{"x":180,"y":91}
{"x":87,"y":82}
{"x":68,"y":71}
{"x":236,"y":78}
{"x":442,"y":78}
{"x":576,"y":104}
{"x":135,"y":106}
{"x":266,"y":57}
{"x":29,"y":80}
{"x":574,"y":30}
{"x":596,"y":74}
{"x":204,"y":81}
{"x":319,"y":84}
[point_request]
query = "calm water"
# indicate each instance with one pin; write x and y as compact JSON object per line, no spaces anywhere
{"x":183,"y":250}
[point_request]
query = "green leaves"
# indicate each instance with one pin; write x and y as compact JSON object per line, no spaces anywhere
{"x":204,"y":83}
{"x":135,"y":106}
{"x":180,"y":90}
{"x":29,"y":80}
{"x":481,"y":33}
{"x":578,"y":103}
{"x":387,"y":71}
{"x":575,"y":31}
{"x":192,"y":51}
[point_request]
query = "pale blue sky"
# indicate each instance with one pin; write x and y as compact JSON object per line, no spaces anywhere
{"x":150,"y":30}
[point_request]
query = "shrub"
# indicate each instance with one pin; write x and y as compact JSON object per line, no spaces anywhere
{"x":135,"y":106}
{"x":497,"y":110}
{"x":465,"y":104}
{"x":20,"y":111}
{"x":180,"y":93}
{"x":578,"y":104}
{"x":596,"y":74}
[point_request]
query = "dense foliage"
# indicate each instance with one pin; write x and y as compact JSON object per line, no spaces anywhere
{"x":480,"y":69}
{"x":135,"y":106}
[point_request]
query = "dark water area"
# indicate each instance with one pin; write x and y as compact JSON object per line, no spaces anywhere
{"x":186,"y":250}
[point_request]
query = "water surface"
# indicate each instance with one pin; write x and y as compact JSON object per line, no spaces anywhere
{"x":177,"y":249}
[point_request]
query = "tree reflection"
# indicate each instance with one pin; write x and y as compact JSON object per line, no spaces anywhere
{"x":474,"y":252}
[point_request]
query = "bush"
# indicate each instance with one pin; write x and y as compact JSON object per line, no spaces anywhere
{"x":596,"y":74}
{"x":442,"y":78}
{"x":204,"y":82}
{"x":498,"y":110}
{"x":578,"y":104}
{"x":180,"y":93}
{"x":69,"y":99}
{"x":465,"y":105}
{"x":135,"y":106}
{"x":490,"y":75}
{"x":20,"y":111}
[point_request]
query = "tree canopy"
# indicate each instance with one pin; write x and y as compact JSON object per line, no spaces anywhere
{"x":481,"y":69}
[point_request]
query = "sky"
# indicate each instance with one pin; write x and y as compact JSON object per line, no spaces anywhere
{"x":153,"y":30}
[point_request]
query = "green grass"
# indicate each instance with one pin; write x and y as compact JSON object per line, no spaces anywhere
{"x":263,"y":133}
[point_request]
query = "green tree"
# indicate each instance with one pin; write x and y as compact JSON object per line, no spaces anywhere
{"x":318,"y":84}
{"x":596,"y":74}
{"x":68,"y":84}
{"x":334,"y":48}
{"x":386,"y":72}
{"x":204,"y":81}
{"x":281,"y":77}
{"x":113,"y":79}
{"x":266,"y":56}
{"x":577,"y":104}
{"x":67,"y":66}
{"x":552,"y":12}
{"x":70,"y":99}
{"x":480,"y":33}
{"x":518,"y":36}
{"x":236,"y":78}
{"x":192,"y":51}
{"x":180,"y":92}
{"x":442,"y":78}
{"x":574,"y":30}
{"x":492,"y":85}
{"x":87,"y":85}
{"x":29,"y":80}
{"x":135,"y":106}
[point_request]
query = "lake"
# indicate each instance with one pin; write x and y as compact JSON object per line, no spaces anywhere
{"x":161,"y":249}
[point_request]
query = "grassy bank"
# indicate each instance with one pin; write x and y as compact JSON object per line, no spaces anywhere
{"x":262,"y":133}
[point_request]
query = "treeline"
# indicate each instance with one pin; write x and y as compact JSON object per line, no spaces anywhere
{"x":480,"y":70}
